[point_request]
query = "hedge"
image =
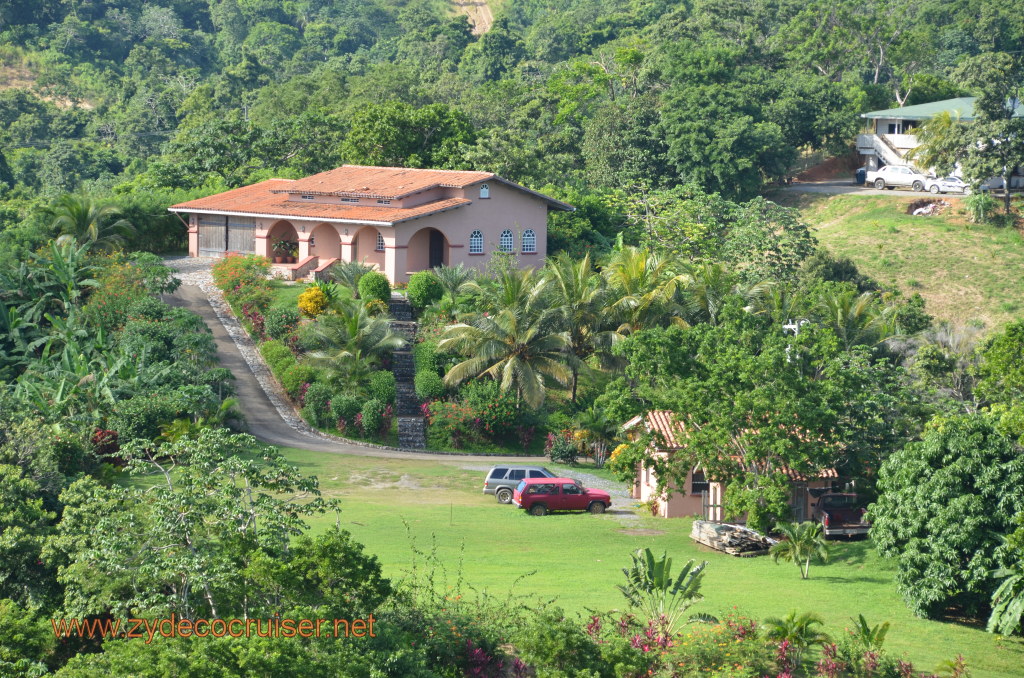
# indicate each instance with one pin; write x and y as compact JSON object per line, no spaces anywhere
{"x":374,"y":285}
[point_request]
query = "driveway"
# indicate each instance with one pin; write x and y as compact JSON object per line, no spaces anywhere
{"x":842,"y":187}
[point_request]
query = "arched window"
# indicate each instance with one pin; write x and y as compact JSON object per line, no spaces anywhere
{"x":507,"y":242}
{"x":476,"y":242}
{"x":485,"y":191}
{"x":529,"y":241}
{"x":699,"y":483}
{"x":380,"y":242}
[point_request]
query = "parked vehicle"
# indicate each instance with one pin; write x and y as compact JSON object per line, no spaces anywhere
{"x":892,"y":176}
{"x":841,"y":514}
{"x":947,"y":185}
{"x":540,"y":495}
{"x":501,"y":481}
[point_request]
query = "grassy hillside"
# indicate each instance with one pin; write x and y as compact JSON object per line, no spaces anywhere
{"x":966,"y":273}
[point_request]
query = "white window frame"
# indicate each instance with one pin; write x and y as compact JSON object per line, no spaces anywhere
{"x":476,"y":242}
{"x":485,"y":191}
{"x":355,"y":200}
{"x":380,"y":242}
{"x":507,"y":241}
{"x":529,"y":241}
{"x":383,"y":202}
{"x":307,"y":197}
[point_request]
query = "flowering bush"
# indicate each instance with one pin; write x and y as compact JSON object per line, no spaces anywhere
{"x":371,"y":418}
{"x":345,"y":407}
{"x":455,"y":422}
{"x":496,"y":409}
{"x":235,"y":271}
{"x":562,"y":447}
{"x":312,"y":302}
{"x":295,"y":376}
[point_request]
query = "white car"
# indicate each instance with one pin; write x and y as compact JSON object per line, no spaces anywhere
{"x":892,"y":176}
{"x":947,"y":185}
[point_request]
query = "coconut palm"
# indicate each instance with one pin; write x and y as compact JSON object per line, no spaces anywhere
{"x":95,"y":224}
{"x":643,"y":288}
{"x":578,"y":295}
{"x":453,"y":279}
{"x":709,"y":285}
{"x":856,"y":319}
{"x":519,"y":349}
{"x":801,"y":543}
{"x":801,"y":631}
{"x":347,"y":341}
{"x":517,"y":290}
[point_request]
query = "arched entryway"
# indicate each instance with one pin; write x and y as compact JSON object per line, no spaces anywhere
{"x":428,"y":248}
{"x":282,"y":230}
{"x":368,"y":247}
{"x":325,"y":242}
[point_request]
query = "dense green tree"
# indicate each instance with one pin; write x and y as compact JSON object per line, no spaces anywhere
{"x":398,"y":135}
{"x":943,"y":504}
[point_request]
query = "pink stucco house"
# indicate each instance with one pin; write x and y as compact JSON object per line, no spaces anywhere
{"x":397,"y":219}
{"x":700,"y":495}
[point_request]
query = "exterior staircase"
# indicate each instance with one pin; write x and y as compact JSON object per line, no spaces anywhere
{"x":412,"y":425}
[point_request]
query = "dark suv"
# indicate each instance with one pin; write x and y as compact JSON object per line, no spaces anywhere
{"x":502,"y":480}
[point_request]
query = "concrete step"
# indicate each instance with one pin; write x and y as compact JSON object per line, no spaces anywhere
{"x":412,"y":432}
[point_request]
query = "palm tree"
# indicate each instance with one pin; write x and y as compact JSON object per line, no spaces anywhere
{"x":800,"y":631}
{"x":578,"y":295}
{"x":517,"y":290}
{"x":96,"y":224}
{"x":708,"y":287}
{"x":453,"y":279}
{"x":599,"y":432}
{"x":643,"y":288}
{"x":801,"y":544}
{"x":348,"y":341}
{"x":856,"y":319}
{"x":516,"y":348}
{"x":348,"y":273}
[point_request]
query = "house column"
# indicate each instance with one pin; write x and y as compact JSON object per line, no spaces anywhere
{"x":348,"y":250}
{"x":395,"y":257}
{"x":193,"y":236}
{"x":261,"y":246}
{"x":304,"y":245}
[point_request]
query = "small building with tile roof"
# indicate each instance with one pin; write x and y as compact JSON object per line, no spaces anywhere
{"x":701,"y":495}
{"x":396,"y":219}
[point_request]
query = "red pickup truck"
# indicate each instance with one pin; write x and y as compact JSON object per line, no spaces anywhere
{"x":841,"y":514}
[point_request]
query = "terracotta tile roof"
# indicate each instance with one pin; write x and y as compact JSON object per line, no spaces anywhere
{"x":382,"y":182}
{"x":265,"y":198}
{"x":670,"y":432}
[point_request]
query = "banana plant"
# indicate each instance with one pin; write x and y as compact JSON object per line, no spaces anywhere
{"x":871,"y":637}
{"x":651,"y":589}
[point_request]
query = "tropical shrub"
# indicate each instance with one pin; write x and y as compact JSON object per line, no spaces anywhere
{"x":119,"y":288}
{"x":424,"y":356}
{"x":374,"y":286}
{"x":429,"y":385}
{"x":312,"y":302}
{"x":235,"y":271}
{"x":424,"y":289}
{"x":496,"y":409}
{"x":980,"y":207}
{"x":345,"y":406}
{"x":142,"y":416}
{"x":277,"y":356}
{"x":280,"y":322}
{"x":732,"y":647}
{"x":295,"y":377}
{"x":382,"y":386}
{"x":372,"y":417}
{"x":454,"y":423}
{"x":562,"y":448}
{"x":317,"y":404}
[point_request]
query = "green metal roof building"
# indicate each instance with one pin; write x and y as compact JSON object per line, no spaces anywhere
{"x":961,"y":107}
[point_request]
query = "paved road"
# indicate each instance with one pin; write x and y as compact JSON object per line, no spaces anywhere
{"x":264,"y":421}
{"x":843,"y":187}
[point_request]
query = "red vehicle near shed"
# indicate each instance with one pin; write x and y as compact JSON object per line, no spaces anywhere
{"x":841,"y":514}
{"x":541,"y":495}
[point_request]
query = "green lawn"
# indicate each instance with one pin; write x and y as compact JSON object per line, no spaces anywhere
{"x":286,"y":294}
{"x":577,"y":559}
{"x":965,"y":272}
